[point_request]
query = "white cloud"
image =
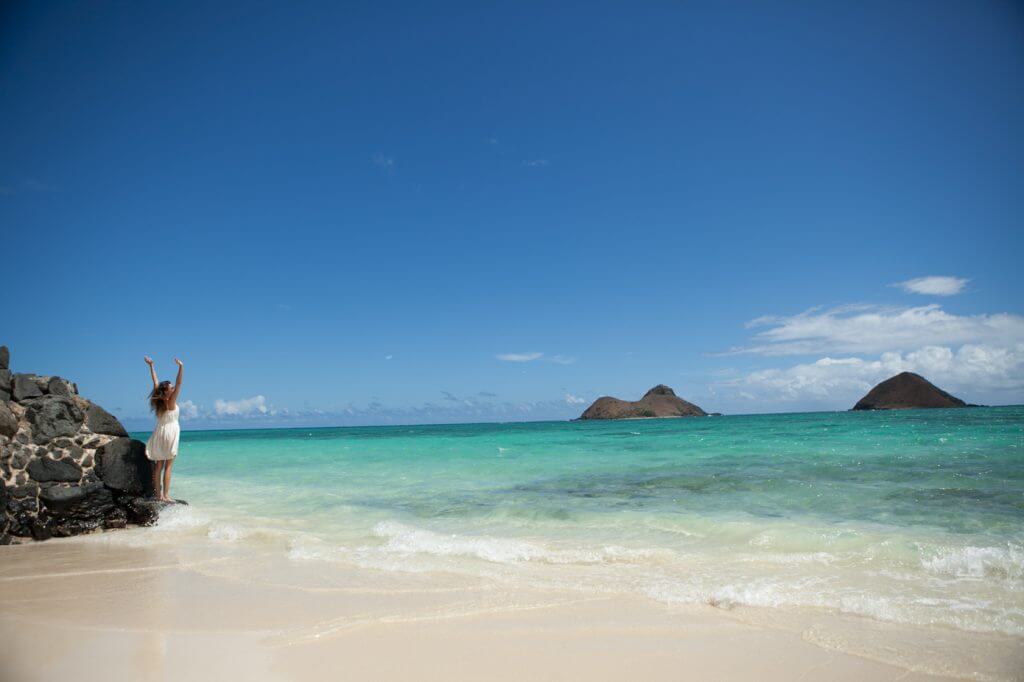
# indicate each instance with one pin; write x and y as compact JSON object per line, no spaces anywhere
{"x":241,"y":408}
{"x":570,"y":399}
{"x":975,"y":373}
{"x":934,"y":285}
{"x":878,"y":329}
{"x":563,"y":359}
{"x":519,"y":357}
{"x":386,"y":163}
{"x":537,"y":163}
{"x":388,"y":357}
{"x":189,"y":410}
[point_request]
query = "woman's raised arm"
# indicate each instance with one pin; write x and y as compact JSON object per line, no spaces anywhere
{"x":177,"y":383}
{"x":152,"y":372}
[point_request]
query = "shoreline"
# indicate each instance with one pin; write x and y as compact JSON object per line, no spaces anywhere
{"x":188,"y":610}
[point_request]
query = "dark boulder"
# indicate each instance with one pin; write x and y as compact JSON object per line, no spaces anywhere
{"x":907,"y":391}
{"x":67,"y":466}
{"x":660,"y":401}
{"x":146,"y":512}
{"x":76,"y":509}
{"x":28,"y":490}
{"x":122,"y":465}
{"x":20,"y":456}
{"x":100,"y":421}
{"x":5,"y":523}
{"x":117,"y":518}
{"x":25,"y":387}
{"x":5,"y":358}
{"x":58,"y":386}
{"x":22,"y":507}
{"x":8,"y":422}
{"x":53,"y":416}
{"x":44,"y":470}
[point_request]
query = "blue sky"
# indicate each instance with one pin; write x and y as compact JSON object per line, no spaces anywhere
{"x":342,"y":213}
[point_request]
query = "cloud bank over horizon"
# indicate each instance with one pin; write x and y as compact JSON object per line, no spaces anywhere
{"x":822,"y":358}
{"x":852,"y":347}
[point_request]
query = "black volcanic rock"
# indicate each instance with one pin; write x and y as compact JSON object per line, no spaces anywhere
{"x":8,"y":422}
{"x":53,"y":416}
{"x":66,"y":465}
{"x":76,"y":509}
{"x":660,"y":401}
{"x":145,"y":512}
{"x":25,"y":387}
{"x":44,"y":470}
{"x":100,"y":421}
{"x":907,"y":391}
{"x":122,"y":465}
{"x":58,"y":386}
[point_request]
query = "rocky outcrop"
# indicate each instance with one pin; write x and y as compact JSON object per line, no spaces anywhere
{"x":907,"y":391}
{"x":100,"y":421}
{"x":67,"y":466}
{"x":660,"y":401}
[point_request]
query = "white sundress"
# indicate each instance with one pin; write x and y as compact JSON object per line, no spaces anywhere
{"x":163,"y":443}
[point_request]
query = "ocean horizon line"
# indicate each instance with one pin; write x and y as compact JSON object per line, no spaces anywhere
{"x":553,"y":421}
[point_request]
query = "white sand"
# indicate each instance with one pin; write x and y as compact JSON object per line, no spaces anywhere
{"x":88,"y":609}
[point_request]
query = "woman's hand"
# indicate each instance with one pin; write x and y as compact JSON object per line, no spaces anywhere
{"x":178,"y":362}
{"x":149,"y":360}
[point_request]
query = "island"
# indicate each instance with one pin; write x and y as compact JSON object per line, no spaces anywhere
{"x":907,"y":391}
{"x":659,"y":402}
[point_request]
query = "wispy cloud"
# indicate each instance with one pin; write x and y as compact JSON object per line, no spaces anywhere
{"x":562,"y":359}
{"x":519,"y":357}
{"x":388,"y":357}
{"x":571,"y":399}
{"x":934,"y":285}
{"x":245,"y":407}
{"x":451,"y":408}
{"x":856,"y":346}
{"x":879,"y":329}
{"x":189,"y":410}
{"x":537,"y":163}
{"x":385,"y":163}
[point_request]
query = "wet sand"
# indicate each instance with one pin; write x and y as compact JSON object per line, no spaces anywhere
{"x":87,"y":609}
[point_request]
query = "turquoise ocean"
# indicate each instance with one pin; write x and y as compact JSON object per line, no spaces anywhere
{"x":913,"y":517}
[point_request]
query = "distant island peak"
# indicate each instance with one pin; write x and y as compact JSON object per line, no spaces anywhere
{"x":906,"y":391}
{"x":660,"y":401}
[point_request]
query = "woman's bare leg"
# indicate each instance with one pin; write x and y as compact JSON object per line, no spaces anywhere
{"x":167,"y":479}
{"x":157,"y":467}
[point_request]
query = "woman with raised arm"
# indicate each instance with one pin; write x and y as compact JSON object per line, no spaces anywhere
{"x":162,"y":447}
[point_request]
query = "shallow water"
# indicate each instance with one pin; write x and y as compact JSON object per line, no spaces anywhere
{"x":909,"y":517}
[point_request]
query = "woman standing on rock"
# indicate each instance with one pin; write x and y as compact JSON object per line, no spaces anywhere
{"x":162,"y":447}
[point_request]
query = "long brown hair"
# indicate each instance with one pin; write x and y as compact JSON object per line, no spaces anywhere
{"x":158,"y":398}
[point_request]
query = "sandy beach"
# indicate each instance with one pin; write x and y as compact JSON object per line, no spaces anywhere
{"x":101,"y":608}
